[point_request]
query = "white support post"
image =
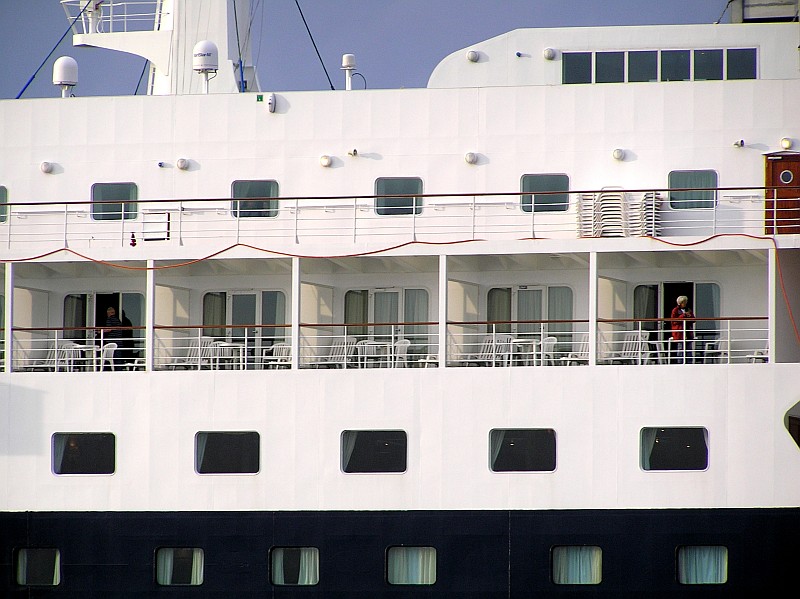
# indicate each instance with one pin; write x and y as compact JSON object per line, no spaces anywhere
{"x":592,"y":308}
{"x":442,"y":337}
{"x":772,"y":295}
{"x":150,"y":316}
{"x":8,"y":314}
{"x":295,"y":313}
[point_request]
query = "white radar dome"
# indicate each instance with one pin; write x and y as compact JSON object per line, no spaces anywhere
{"x":204,"y":57}
{"x":65,"y":71}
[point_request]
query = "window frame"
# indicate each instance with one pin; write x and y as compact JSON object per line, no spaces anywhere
{"x":555,"y":557}
{"x":196,"y":551}
{"x":100,"y":437}
{"x":245,"y":207}
{"x":414,"y":200}
{"x":681,"y":574}
{"x":220,"y":437}
{"x":528,"y":197}
{"x":550,"y":438}
{"x":645,"y":457}
{"x":272,"y":556}
{"x":18,"y":566}
{"x":574,"y":65}
{"x":130,"y":207}
{"x":688,"y":202}
{"x":389,"y":570}
{"x":371,"y":435}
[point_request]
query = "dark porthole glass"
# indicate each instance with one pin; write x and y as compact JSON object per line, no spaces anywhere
{"x":83,"y":453}
{"x":374,"y":451}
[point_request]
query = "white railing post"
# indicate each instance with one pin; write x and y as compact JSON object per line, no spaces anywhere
{"x":355,"y":217}
{"x":66,"y":217}
{"x":474,"y":210}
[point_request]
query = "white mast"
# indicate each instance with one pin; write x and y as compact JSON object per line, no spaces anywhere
{"x":168,"y":38}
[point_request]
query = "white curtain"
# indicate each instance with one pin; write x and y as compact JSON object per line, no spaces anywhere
{"x":559,"y":307}
{"x":412,"y":565}
{"x":647,"y":443}
{"x":529,"y":307}
{"x":577,"y":564}
{"x":200,"y":440}
{"x":497,"y":436}
{"x":59,"y":445}
{"x":386,"y":310}
{"x":165,"y":559}
{"x":309,"y":566}
{"x":415,"y":309}
{"x":703,"y":564}
{"x":348,"y":445}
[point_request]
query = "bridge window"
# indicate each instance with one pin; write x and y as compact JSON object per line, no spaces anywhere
{"x":707,"y":65}
{"x":251,"y":199}
{"x":696,"y":182}
{"x":545,"y":193}
{"x":114,"y":201}
{"x":3,"y":206}
{"x":675,"y":65}
{"x":576,"y":67}
{"x":609,"y":67}
{"x":741,"y":63}
{"x":398,"y":195}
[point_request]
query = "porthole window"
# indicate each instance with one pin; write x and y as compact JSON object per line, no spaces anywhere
{"x":786,"y":177}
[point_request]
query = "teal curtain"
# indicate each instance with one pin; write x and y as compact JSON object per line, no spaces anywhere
{"x":702,"y":564}
{"x":411,"y":565}
{"x":577,"y":564}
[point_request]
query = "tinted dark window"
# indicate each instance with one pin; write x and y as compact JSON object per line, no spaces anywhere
{"x":522,"y":450}
{"x":401,"y":188}
{"x":3,"y":207}
{"x":609,"y":67}
{"x":38,"y":567}
{"x":111,"y":200}
{"x":643,"y":66}
{"x":83,"y":453}
{"x":227,"y":452}
{"x":707,"y":65}
{"x":545,"y":202}
{"x":374,"y":451}
{"x":675,"y":65}
{"x":674,"y":448}
{"x":254,"y":208}
{"x":742,"y":63}
{"x":576,"y":67}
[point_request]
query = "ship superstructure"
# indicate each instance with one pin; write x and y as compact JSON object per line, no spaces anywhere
{"x":420,"y":340}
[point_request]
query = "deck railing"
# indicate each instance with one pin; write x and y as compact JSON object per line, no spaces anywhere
{"x":393,"y":345}
{"x":115,"y":16}
{"x":434,"y":217}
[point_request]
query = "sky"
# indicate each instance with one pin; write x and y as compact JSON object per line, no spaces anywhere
{"x":397,"y":43}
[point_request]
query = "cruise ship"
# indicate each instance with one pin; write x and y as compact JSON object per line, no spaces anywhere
{"x":528,"y":331}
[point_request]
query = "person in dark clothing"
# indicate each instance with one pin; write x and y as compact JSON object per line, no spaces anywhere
{"x":127,"y":341}
{"x":113,"y":334}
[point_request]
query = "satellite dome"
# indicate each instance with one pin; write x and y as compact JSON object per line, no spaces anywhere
{"x":205,"y":57}
{"x":65,"y":71}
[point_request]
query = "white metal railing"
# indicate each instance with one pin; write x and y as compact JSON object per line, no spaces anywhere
{"x":393,"y":345}
{"x":698,"y":341}
{"x":442,"y":218}
{"x":112,"y":16}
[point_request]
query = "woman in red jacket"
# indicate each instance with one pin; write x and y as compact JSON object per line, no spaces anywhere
{"x":681,"y":347}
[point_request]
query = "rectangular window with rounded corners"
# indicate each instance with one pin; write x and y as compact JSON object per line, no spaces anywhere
{"x":114,"y":201}
{"x":707,"y":65}
{"x":398,"y":195}
{"x":702,"y":564}
{"x":3,"y":204}
{"x":741,"y":63}
{"x":675,"y":65}
{"x":643,"y":66}
{"x":411,"y":565}
{"x":229,"y":452}
{"x":577,"y":564}
{"x":179,"y":566}
{"x":545,"y":193}
{"x":700,"y":189}
{"x":522,"y":450}
{"x":374,"y":451}
{"x":254,"y":199}
{"x":84,"y":453}
{"x":609,"y":67}
{"x":38,"y":566}
{"x":675,"y":448}
{"x":576,"y":67}
{"x":294,"y":566}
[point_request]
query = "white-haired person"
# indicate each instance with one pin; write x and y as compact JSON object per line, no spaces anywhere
{"x":682,"y":332}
